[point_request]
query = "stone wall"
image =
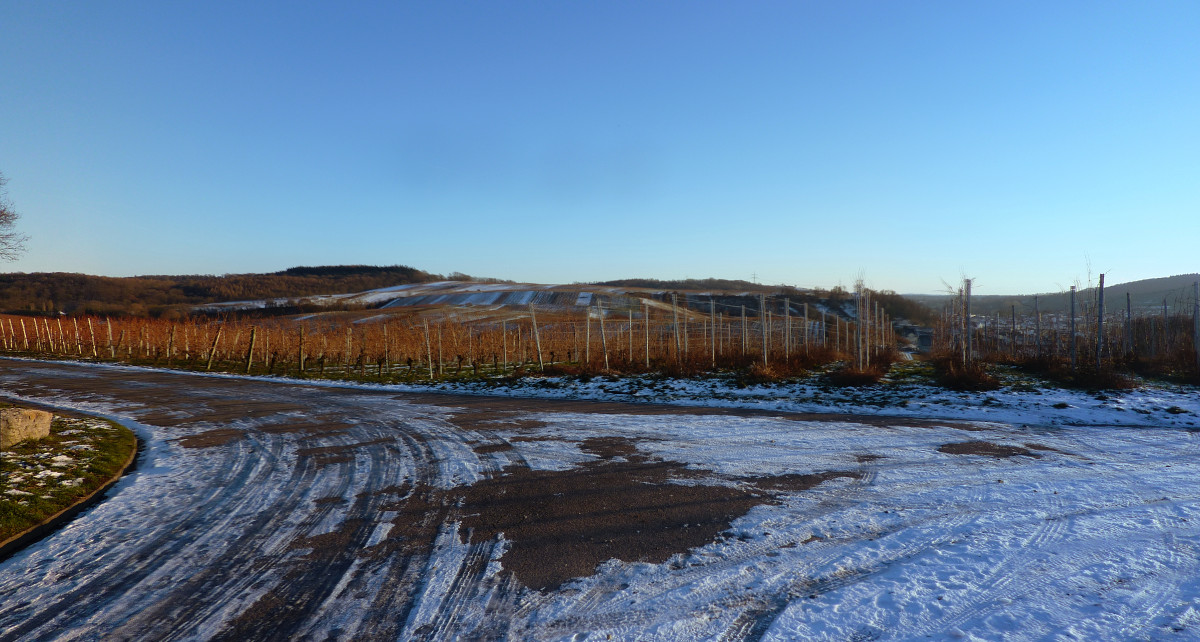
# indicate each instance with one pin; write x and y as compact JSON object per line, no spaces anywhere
{"x":22,"y":424}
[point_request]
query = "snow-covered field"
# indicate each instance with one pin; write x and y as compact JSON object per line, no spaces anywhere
{"x":1019,"y":514}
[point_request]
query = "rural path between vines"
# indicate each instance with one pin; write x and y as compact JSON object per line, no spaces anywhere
{"x":280,"y":510}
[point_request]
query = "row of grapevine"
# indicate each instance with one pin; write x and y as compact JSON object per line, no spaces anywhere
{"x":432,"y":344}
{"x":1091,"y":336}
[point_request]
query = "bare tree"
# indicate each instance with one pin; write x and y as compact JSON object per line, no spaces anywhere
{"x":12,"y":242}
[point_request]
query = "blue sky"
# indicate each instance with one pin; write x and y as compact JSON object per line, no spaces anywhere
{"x":807,"y":143}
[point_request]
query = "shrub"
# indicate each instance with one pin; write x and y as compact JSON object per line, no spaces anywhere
{"x":1086,"y":377}
{"x":969,"y":377}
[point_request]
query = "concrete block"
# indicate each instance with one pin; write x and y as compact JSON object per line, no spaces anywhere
{"x":23,"y":424}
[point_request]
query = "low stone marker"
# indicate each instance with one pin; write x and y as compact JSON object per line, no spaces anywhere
{"x":23,"y":424}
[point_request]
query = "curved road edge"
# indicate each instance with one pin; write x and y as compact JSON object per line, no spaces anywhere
{"x":47,"y":527}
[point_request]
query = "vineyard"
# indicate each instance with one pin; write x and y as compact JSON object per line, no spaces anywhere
{"x":689,"y":336}
{"x":1093,"y":343}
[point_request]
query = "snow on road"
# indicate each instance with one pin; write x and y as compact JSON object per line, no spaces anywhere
{"x":266,"y":509}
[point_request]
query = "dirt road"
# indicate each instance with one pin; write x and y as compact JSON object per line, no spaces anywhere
{"x":269,"y":510}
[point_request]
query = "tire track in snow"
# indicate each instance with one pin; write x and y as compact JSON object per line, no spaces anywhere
{"x":231,"y":498}
{"x":245,"y":516}
{"x":155,"y":553}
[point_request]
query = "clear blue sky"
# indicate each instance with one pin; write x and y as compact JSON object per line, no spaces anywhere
{"x":808,"y":143}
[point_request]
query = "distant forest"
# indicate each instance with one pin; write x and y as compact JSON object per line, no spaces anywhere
{"x":171,"y":296}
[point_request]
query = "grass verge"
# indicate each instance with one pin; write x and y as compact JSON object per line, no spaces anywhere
{"x":39,"y":479}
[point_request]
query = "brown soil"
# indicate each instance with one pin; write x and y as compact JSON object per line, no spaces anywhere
{"x":987,"y":449}
{"x":1033,"y":446}
{"x":560,"y":525}
{"x":492,"y":448}
{"x":215,"y":437}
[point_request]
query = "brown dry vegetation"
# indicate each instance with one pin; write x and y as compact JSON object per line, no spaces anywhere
{"x":1091,"y":351}
{"x":428,"y":343}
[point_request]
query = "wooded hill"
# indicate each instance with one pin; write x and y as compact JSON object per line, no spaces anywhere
{"x":157,"y":296}
{"x":171,"y":297}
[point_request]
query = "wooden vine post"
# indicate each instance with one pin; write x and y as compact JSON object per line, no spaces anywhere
{"x":787,"y":330}
{"x":428,"y":349}
{"x":300,"y":355}
{"x":603,"y":337}
{"x":806,"y":328}
{"x":537,"y":337}
{"x":675,"y":324}
{"x":630,"y":335}
{"x":712,"y":323}
{"x":212,"y":351}
{"x":92,"y":334}
{"x":646,"y":329}
{"x":250,"y":352}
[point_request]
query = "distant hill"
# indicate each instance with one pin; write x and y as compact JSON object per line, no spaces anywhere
{"x":334,"y":287}
{"x":156,"y":295}
{"x":1144,"y":294}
